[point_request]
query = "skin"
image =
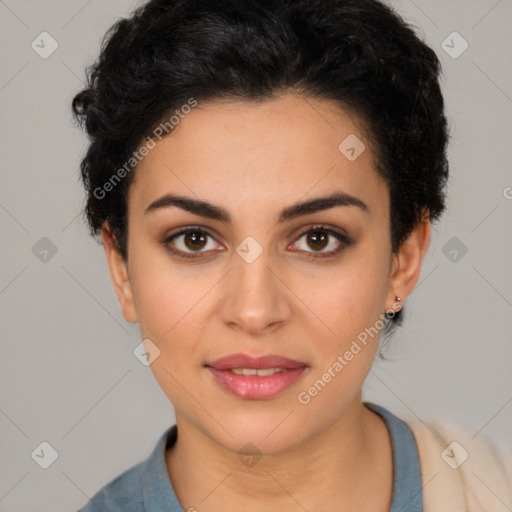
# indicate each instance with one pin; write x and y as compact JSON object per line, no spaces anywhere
{"x":254,"y":159}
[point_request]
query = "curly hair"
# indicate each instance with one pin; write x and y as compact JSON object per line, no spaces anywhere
{"x":357,"y":53}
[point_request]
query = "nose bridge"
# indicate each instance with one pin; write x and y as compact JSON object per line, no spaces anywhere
{"x":254,"y":271}
{"x":255,"y":298}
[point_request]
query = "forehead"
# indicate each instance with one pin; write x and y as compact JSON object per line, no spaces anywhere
{"x":269,"y":152}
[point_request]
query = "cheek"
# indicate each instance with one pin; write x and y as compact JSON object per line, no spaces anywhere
{"x":169,"y":308}
{"x":348,"y":299}
{"x":162,"y":296}
{"x":351,"y":305}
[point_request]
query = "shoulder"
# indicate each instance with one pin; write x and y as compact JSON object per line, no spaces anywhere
{"x":461,"y":471}
{"x":123,"y":493}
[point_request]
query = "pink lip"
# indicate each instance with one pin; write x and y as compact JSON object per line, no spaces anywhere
{"x":253,"y":387}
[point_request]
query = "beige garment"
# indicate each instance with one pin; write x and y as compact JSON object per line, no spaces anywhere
{"x":482,"y":482}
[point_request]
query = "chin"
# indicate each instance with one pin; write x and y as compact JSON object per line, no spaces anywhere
{"x":267,"y":432}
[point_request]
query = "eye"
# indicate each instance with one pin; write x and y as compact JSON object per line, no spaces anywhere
{"x":319,"y":238}
{"x":193,"y":242}
{"x":190,"y":242}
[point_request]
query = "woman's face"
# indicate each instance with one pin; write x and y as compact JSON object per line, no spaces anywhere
{"x":252,"y":282}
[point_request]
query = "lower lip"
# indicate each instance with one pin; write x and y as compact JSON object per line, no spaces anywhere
{"x":252,"y":387}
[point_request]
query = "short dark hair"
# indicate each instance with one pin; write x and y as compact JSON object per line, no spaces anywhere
{"x":358,"y":53}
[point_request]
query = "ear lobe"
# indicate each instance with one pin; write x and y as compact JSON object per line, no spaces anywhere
{"x":407,"y":262}
{"x":119,"y":274}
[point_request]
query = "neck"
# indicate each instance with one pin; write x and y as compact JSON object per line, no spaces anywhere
{"x":349,"y":464}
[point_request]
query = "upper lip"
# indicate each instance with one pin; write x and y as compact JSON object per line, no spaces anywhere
{"x":257,"y":363}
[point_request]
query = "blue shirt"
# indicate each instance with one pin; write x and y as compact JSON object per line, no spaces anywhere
{"x":147,"y":487}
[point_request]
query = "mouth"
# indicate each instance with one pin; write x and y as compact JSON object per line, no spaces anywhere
{"x":255,"y":378}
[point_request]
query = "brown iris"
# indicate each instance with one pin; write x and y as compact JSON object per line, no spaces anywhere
{"x":315,"y":238}
{"x":194,"y":239}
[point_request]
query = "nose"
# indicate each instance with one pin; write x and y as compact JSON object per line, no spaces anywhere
{"x":256,"y":300}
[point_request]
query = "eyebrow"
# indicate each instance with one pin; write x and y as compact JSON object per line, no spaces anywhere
{"x":211,"y":211}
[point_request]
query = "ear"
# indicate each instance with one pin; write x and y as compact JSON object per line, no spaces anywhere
{"x":119,"y":274}
{"x":406,"y":266}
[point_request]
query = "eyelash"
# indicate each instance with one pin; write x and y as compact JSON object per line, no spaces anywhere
{"x":345,"y":242}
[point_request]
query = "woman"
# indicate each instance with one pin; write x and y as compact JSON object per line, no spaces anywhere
{"x":264,"y":176}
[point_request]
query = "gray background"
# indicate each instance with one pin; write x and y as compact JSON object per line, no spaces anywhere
{"x":68,"y":375}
